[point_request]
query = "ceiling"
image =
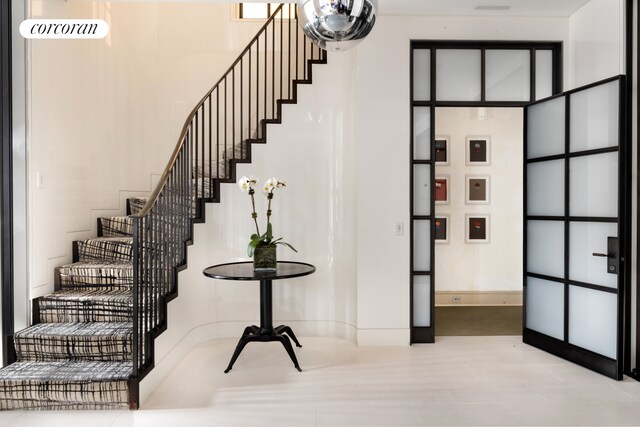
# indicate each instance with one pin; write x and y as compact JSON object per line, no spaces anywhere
{"x":468,"y":7}
{"x":563,"y":8}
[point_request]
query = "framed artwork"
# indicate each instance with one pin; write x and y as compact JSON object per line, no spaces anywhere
{"x":478,"y":189}
{"x":442,"y":190}
{"x":441,"y":145}
{"x":441,"y":228}
{"x":478,"y":151}
{"x":477,"y":228}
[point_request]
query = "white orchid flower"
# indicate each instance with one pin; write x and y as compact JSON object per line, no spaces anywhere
{"x":270,"y":185}
{"x":246,"y":184}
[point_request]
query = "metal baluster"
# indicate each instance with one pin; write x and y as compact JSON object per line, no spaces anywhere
{"x":226,"y":153}
{"x":210,"y":149}
{"x":218,"y":137}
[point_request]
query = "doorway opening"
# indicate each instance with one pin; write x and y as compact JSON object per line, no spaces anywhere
{"x":478,"y":221}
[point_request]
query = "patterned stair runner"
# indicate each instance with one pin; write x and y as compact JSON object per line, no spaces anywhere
{"x":65,"y":385}
{"x":79,"y":355}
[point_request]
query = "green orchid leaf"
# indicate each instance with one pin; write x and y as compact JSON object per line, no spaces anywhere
{"x":288,"y":245}
{"x":252,"y":247}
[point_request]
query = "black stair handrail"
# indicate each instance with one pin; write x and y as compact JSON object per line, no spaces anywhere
{"x":217,"y":134}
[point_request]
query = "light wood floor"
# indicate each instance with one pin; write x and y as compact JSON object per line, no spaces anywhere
{"x":478,"y":321}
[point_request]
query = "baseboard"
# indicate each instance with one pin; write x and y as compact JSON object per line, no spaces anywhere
{"x":383,"y":337}
{"x":485,"y":298}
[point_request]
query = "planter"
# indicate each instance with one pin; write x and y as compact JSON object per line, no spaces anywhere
{"x":264,"y":258}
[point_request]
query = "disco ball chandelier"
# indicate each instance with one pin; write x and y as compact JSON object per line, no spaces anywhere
{"x":337,"y":25}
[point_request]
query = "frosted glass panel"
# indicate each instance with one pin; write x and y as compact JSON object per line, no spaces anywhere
{"x":422,"y":301}
{"x":594,"y":117}
{"x":594,"y":185}
{"x":585,"y":238}
{"x":545,"y":248}
{"x":421,"y":189}
{"x":593,"y":320}
{"x":458,"y":75}
{"x":545,"y":188}
{"x":421,"y":74}
{"x":508,"y":75}
{"x":421,"y":245}
{"x":422,"y":133}
{"x":545,"y":307}
{"x":545,"y":128}
{"x":544,"y":73}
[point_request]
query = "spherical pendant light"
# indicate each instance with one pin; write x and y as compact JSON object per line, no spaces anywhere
{"x":337,"y":25}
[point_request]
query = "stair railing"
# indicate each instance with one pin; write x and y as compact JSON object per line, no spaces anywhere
{"x":216,"y":135}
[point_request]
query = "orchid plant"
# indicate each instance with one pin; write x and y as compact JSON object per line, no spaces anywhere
{"x":248,"y":185}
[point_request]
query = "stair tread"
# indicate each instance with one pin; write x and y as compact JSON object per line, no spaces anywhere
{"x":102,"y":295}
{"x":117,"y":239}
{"x":100,"y":264}
{"x":79,"y":329}
{"x":67,"y":370}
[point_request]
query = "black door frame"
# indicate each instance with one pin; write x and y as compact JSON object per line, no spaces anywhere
{"x":6,"y":183}
{"x":422,"y":334}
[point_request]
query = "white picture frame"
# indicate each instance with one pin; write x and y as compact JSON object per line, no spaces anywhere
{"x":473,"y":193}
{"x":439,"y":180}
{"x":471,"y":231}
{"x":483,"y":150}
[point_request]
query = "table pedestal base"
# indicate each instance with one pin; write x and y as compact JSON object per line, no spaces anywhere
{"x":255,"y":333}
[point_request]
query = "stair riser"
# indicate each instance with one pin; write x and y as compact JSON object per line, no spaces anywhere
{"x":91,"y":278}
{"x":115,"y":227}
{"x":55,"y":395}
{"x":97,"y":250}
{"x":95,"y":348}
{"x":71,"y":311}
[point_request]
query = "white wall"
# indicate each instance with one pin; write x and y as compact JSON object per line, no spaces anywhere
{"x":106,"y":114}
{"x":313,"y":151}
{"x":596,"y":42}
{"x":382,"y":137}
{"x":497,"y":265}
{"x":97,"y":107}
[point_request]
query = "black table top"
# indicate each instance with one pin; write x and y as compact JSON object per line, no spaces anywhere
{"x":244,"y":271}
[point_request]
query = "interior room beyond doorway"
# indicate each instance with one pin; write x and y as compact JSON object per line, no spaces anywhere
{"x":479,"y":220}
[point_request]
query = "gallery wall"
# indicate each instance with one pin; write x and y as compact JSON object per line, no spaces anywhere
{"x":495,"y":266}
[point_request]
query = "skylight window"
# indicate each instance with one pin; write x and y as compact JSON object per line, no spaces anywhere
{"x":262,"y":10}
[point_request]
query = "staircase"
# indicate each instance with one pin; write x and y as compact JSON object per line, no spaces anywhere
{"x":92,"y":340}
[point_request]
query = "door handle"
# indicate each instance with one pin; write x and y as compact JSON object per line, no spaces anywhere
{"x":598,"y":254}
{"x":611,"y":255}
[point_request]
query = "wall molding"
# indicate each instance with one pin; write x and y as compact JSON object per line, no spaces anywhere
{"x":471,"y":298}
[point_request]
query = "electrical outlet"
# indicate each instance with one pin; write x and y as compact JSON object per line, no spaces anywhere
{"x":456,"y":299}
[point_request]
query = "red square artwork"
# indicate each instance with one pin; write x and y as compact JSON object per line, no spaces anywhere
{"x":441,"y":193}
